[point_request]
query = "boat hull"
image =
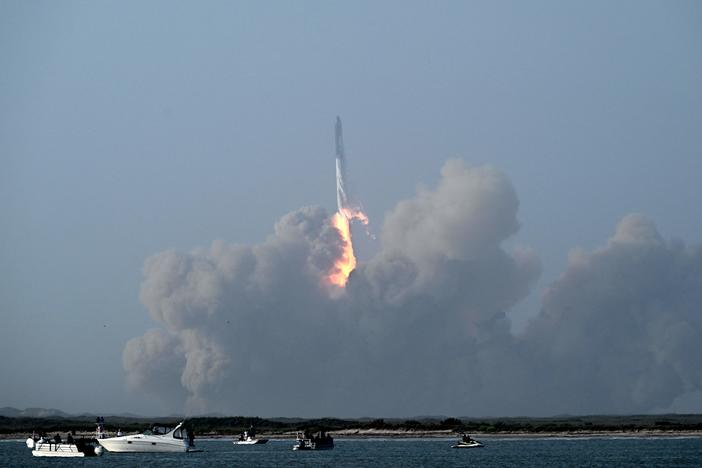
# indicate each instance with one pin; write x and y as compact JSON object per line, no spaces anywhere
{"x":40,"y":453}
{"x":307,"y":445}
{"x":250,"y":442}
{"x":57,"y":450}
{"x":471,"y":445}
{"x":325,"y":447}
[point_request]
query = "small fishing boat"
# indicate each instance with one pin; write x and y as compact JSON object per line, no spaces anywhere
{"x":317,"y":441}
{"x":249,"y":438}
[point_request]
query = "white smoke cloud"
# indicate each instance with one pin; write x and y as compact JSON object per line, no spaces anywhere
{"x":621,"y":330}
{"x":437,"y":294}
{"x":421,"y":328}
{"x":243,"y":316}
{"x":155,"y":362}
{"x":472,"y":209}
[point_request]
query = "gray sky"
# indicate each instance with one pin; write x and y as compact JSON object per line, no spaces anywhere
{"x":131,"y":128}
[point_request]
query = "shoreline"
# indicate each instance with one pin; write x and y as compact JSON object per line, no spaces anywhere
{"x":438,"y":434}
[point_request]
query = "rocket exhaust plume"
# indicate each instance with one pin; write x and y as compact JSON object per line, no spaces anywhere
{"x":346,"y":213}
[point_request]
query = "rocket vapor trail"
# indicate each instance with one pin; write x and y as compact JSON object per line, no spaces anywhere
{"x":341,"y":199}
{"x":345,"y":207}
{"x":346,"y":213}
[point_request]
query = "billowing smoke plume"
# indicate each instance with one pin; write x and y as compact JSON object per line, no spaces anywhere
{"x":244,"y":318}
{"x":621,"y":330}
{"x":421,"y":328}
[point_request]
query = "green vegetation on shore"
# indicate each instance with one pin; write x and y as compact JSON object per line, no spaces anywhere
{"x":234,"y":425}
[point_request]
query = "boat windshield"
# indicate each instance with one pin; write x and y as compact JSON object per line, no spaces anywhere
{"x":160,"y":430}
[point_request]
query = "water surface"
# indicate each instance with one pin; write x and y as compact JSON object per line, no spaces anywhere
{"x":405,"y":453}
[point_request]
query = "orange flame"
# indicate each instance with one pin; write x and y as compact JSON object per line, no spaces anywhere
{"x":344,"y":265}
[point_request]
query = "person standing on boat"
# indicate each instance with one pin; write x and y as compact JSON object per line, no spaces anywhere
{"x":69,"y":439}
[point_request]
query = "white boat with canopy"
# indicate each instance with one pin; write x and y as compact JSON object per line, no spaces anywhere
{"x":72,"y":447}
{"x":318,"y":441}
{"x":158,"y":439}
{"x":50,"y":448}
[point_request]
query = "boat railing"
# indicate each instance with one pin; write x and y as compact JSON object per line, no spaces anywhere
{"x":103,"y":434}
{"x":53,"y":446}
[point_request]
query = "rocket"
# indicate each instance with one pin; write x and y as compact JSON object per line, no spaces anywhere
{"x":339,"y":134}
{"x":341,"y":198}
{"x":348,"y":208}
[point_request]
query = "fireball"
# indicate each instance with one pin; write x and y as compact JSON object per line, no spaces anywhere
{"x":346,"y":262}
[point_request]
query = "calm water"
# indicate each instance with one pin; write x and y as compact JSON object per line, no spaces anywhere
{"x":406,"y":453}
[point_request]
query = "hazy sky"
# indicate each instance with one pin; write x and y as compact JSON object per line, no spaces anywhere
{"x":133,"y":128}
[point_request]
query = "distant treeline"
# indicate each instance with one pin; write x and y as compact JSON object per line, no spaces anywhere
{"x":234,"y":425}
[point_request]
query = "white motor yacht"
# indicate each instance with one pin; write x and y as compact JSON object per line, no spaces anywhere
{"x":158,"y":439}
